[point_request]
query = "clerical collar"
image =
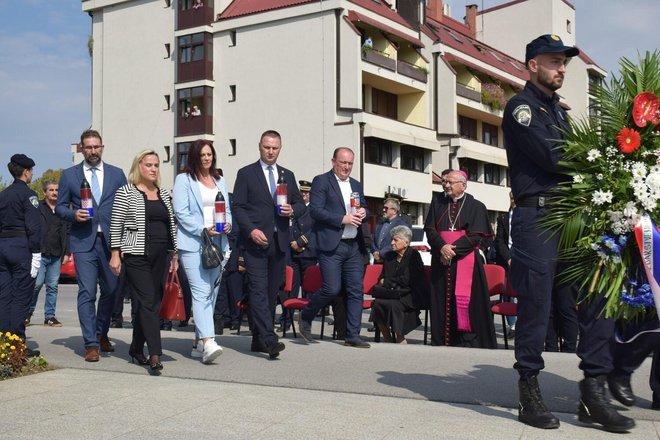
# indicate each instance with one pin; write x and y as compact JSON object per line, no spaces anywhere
{"x":457,"y":198}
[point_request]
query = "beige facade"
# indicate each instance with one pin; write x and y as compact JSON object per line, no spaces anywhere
{"x":303,"y":70}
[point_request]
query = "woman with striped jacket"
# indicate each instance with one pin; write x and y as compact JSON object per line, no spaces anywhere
{"x":142,"y":233}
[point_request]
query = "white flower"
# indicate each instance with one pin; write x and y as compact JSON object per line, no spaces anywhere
{"x":578,"y":178}
{"x":593,"y":154}
{"x":638,"y":170}
{"x":601,"y":197}
{"x":595,"y":246}
{"x":630,"y":209}
{"x":599,"y":176}
{"x":615,"y":216}
{"x":653,"y":181}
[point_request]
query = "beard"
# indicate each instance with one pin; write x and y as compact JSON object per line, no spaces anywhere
{"x":550,"y":81}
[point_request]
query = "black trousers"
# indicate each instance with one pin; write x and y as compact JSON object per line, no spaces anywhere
{"x":265,"y":271}
{"x":145,"y":274}
{"x":563,"y":327}
{"x":628,"y":357}
{"x":16,"y":284}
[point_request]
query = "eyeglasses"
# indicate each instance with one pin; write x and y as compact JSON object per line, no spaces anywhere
{"x":92,"y":147}
{"x":386,"y":208}
{"x":449,"y":182}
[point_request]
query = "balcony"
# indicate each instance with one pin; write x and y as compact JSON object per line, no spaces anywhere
{"x":467,"y":92}
{"x":379,"y":59}
{"x":194,"y":125}
{"x":195,"y":70}
{"x":411,"y":71}
{"x":188,"y":18}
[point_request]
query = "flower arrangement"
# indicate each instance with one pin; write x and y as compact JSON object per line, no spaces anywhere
{"x":13,"y":354}
{"x":613,"y":186}
{"x":493,"y":96}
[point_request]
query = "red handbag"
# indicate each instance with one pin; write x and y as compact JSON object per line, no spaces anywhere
{"x":172,"y":306}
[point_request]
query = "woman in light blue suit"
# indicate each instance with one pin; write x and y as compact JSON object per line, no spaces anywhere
{"x":194,"y":201}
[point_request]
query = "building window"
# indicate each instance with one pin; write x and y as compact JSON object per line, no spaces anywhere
{"x":471,"y":167}
{"x":489,"y":134}
{"x":184,"y":5}
{"x":232,"y":93}
{"x":412,"y":158}
{"x":167,"y":102}
{"x":467,"y":127}
{"x":191,"y":48}
{"x":232,"y":38}
{"x":182,"y":156}
{"x":378,"y":151}
{"x":384,"y":103}
{"x":492,"y":174}
{"x":196,"y":101}
{"x":232,"y":147}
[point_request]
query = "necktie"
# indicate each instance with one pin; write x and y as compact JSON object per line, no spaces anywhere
{"x":271,"y":181}
{"x":96,"y":189}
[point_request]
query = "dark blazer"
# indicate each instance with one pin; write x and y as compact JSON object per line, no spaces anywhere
{"x":82,"y":235}
{"x":328,"y":210}
{"x":301,"y":231}
{"x":385,"y":242}
{"x":254,"y":207}
{"x":502,"y":240}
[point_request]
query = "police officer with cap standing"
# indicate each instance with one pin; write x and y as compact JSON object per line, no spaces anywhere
{"x":532,"y":124}
{"x":20,"y":247}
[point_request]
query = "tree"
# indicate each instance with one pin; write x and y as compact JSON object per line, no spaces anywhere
{"x":37,"y":184}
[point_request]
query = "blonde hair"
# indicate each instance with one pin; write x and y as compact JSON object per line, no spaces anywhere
{"x":134,"y":174}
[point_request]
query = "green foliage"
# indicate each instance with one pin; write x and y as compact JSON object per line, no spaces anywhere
{"x":493,"y":96}
{"x":603,"y":199}
{"x":49,"y":174}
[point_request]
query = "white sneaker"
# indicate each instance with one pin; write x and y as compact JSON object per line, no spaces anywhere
{"x":197,"y":351}
{"x":211,"y":351}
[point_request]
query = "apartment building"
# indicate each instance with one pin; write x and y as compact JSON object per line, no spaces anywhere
{"x":410,"y":89}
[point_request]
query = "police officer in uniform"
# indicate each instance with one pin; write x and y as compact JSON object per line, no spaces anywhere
{"x":302,"y":254}
{"x":532,"y":124}
{"x":20,"y":247}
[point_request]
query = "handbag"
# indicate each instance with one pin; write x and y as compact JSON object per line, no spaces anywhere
{"x":172,"y":306}
{"x":211,"y":253}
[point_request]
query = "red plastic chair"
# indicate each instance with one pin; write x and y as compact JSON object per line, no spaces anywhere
{"x":506,"y":308}
{"x":495,"y":279}
{"x":312,"y":283}
{"x":371,"y":274}
{"x":243,"y":304}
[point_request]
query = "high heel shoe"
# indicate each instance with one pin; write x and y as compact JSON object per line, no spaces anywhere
{"x":154,"y":363}
{"x":139,"y":357}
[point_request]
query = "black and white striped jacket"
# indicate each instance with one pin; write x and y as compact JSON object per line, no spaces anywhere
{"x":128,"y":228}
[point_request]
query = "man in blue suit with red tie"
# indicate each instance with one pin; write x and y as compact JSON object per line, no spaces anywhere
{"x":264,"y":233}
{"x":89,"y":240}
{"x":337,"y":236}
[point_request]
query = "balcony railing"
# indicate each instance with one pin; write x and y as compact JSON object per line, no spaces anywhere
{"x":467,"y":92}
{"x":379,"y":59}
{"x":195,"y":70}
{"x":194,"y":125}
{"x":411,"y":71}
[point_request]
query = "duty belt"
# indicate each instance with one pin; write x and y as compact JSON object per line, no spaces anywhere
{"x":534,"y":201}
{"x":12,"y":234}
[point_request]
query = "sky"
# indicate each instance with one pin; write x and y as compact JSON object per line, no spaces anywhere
{"x":45,"y":68}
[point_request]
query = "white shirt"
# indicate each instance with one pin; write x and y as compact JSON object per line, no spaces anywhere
{"x":208,"y":203}
{"x":350,"y":231}
{"x":87,"y":170}
{"x":264,"y":168}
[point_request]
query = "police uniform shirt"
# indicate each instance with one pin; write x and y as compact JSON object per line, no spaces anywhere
{"x":19,"y":213}
{"x":532,"y":125}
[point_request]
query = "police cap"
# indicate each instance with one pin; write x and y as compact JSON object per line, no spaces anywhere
{"x":548,"y":43}
{"x":305,"y":185}
{"x":22,"y":160}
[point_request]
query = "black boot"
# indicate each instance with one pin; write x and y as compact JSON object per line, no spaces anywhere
{"x":594,"y":407}
{"x":621,"y":390}
{"x":531,"y":409}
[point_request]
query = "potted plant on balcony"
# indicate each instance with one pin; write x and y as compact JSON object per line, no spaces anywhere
{"x":493,"y":96}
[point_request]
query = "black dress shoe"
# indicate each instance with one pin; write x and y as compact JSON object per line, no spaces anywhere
{"x":234,"y":327}
{"x":32,"y":353}
{"x":357,"y":342}
{"x":183,"y":323}
{"x":275,"y":350}
{"x":656,"y":402}
{"x":620,"y":388}
{"x":166,"y":325}
{"x":116,"y":324}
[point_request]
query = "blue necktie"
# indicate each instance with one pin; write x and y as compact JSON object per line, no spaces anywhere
{"x":271,"y":182}
{"x":96,"y":189}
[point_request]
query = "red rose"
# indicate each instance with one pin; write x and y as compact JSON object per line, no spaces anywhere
{"x":645,"y":109}
{"x":628,"y":140}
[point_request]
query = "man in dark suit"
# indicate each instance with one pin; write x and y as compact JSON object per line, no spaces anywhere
{"x":337,"y":235}
{"x":382,"y":239}
{"x":503,"y":249}
{"x":89,"y":240}
{"x":303,"y":253}
{"x":264,"y":232}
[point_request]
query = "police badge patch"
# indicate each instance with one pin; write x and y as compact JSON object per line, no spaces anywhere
{"x":523,"y":115}
{"x":35,"y":201}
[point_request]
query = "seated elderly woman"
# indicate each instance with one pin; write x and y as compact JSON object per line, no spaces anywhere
{"x":400,"y":289}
